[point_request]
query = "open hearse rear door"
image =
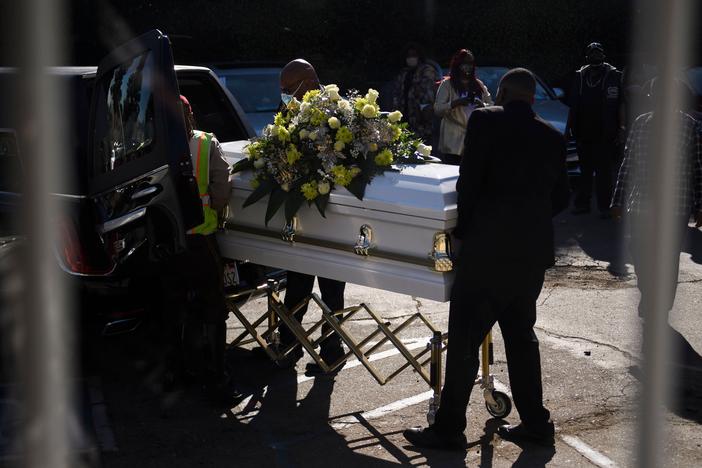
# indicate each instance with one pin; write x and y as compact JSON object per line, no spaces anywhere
{"x":139,"y":166}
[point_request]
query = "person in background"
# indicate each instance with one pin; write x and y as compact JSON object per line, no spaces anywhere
{"x":413,"y":92}
{"x":491,"y":202}
{"x":633,"y":195}
{"x":457,"y":97}
{"x":296,"y":78}
{"x":597,"y":120}
{"x":194,"y":281}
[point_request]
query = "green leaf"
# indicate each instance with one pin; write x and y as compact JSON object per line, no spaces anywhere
{"x":358,"y":186}
{"x":292,"y":204}
{"x":264,"y":188}
{"x":275,"y":201}
{"x":242,"y":165}
{"x":321,"y":203}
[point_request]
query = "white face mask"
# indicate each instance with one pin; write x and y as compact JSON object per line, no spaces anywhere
{"x":412,"y":62}
{"x":286,"y":98}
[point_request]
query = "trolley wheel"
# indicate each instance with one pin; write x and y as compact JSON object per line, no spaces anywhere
{"x":502,"y":406}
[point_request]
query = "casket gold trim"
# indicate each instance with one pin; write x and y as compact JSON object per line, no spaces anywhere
{"x":300,"y":239}
{"x":441,"y":253}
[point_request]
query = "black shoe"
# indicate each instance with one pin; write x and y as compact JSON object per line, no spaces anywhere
{"x":429,"y":437}
{"x":520,"y":433}
{"x":330,"y":354}
{"x":580,"y":211}
{"x":291,"y":359}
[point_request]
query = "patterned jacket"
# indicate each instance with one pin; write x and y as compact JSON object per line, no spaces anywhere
{"x":418,"y":109}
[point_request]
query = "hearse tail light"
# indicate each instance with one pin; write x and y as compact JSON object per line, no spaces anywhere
{"x":73,"y":255}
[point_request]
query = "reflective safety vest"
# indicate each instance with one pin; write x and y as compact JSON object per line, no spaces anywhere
{"x":201,"y":165}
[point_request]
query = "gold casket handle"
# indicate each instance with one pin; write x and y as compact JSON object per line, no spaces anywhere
{"x":364,"y":241}
{"x":289,"y":230}
{"x":441,"y":253}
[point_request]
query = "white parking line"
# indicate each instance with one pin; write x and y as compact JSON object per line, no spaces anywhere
{"x":383,"y":410}
{"x":588,"y":452}
{"x":409,"y":344}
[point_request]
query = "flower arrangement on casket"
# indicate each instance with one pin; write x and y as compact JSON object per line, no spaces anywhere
{"x":323,"y":142}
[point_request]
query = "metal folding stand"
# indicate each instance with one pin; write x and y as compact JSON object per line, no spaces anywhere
{"x":277,"y":314}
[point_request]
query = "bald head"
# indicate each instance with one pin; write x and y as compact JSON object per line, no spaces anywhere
{"x":298,"y":77}
{"x":518,"y":84}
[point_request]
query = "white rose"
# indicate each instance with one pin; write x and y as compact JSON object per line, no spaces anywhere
{"x":395,"y":116}
{"x":424,"y":150}
{"x":372,"y":96}
{"x":313,"y":135}
{"x":331,"y":87}
{"x":339,"y":145}
{"x":344,"y":105}
{"x":304,"y":107}
{"x":369,"y":111}
{"x":259,"y":163}
{"x":323,"y":188}
{"x":334,"y":123}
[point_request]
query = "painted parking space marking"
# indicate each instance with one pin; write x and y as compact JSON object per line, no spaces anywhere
{"x":383,"y":410}
{"x":588,"y":452}
{"x":409,"y":344}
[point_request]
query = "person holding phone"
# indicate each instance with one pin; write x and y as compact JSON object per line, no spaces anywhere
{"x":457,"y":97}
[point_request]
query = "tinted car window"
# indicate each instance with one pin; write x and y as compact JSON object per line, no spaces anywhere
{"x":490,"y":76}
{"x":256,"y":91}
{"x":211,"y":107}
{"x":130,"y":115}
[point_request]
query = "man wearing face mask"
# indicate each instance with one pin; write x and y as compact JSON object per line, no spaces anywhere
{"x":413,"y":92}
{"x":596,"y":120}
{"x":296,"y":78}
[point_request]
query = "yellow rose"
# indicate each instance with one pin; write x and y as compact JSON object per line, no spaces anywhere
{"x":395,"y":116}
{"x":323,"y":188}
{"x":369,"y":111}
{"x":339,"y":146}
{"x":334,"y":123}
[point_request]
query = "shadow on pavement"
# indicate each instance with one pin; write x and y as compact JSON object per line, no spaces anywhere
{"x":686,"y":400}
{"x":693,"y":244}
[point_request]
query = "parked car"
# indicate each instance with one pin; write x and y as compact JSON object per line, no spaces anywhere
{"x":127,"y":206}
{"x":255,"y":86}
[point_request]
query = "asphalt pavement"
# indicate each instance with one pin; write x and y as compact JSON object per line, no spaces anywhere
{"x":590,"y":346}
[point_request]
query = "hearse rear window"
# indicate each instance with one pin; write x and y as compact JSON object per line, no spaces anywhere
{"x":129,"y":104}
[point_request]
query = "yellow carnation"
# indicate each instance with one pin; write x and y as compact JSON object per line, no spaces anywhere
{"x":309,"y":95}
{"x":292,"y":154}
{"x":309,"y":190}
{"x":344,"y":135}
{"x":384,"y":158}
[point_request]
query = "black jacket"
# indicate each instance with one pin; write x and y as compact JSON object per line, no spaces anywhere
{"x":513,"y":179}
{"x":610,"y":92}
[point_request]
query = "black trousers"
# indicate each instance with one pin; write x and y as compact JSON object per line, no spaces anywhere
{"x":649,"y":269}
{"x":195,"y":314}
{"x":299,"y":286}
{"x":476,"y":304}
{"x":597,"y":161}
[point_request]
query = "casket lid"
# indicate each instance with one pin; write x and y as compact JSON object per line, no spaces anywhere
{"x":426,"y":190}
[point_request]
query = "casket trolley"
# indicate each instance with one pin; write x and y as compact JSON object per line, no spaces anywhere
{"x":401,"y":245}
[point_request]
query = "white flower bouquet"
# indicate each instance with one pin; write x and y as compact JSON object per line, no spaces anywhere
{"x":323,"y":142}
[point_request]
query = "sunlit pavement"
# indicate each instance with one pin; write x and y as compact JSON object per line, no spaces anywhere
{"x":589,"y":333}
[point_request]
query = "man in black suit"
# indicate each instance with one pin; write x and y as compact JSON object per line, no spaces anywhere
{"x":512,"y":181}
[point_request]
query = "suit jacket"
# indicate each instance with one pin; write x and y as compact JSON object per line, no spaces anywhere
{"x":513,"y":179}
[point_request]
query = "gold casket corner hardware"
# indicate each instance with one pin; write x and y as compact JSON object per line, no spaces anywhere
{"x":441,"y":253}
{"x":364,"y":241}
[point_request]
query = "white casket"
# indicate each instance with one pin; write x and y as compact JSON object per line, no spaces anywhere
{"x":394,"y":239}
